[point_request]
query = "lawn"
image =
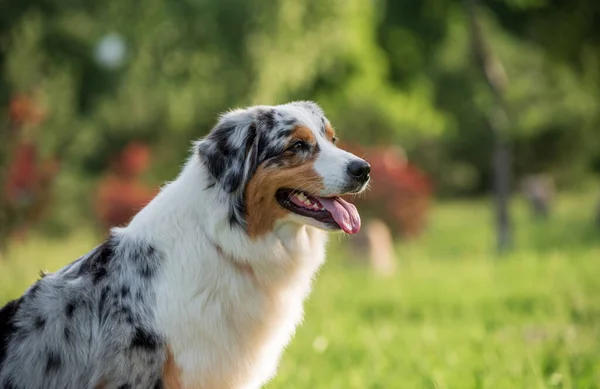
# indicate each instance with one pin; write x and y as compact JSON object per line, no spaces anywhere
{"x":454,"y":315}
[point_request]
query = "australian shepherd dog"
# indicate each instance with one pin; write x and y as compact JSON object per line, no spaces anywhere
{"x":204,"y":288}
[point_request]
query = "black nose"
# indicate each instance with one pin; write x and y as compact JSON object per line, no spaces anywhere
{"x":359,"y":169}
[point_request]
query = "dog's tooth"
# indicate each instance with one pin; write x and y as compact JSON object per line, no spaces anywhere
{"x":301,"y":196}
{"x":307,"y":202}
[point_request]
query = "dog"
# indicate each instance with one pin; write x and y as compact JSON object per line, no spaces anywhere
{"x":203,"y":289}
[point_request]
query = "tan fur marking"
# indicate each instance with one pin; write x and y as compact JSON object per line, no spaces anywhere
{"x":171,"y":373}
{"x":303,"y":133}
{"x":262,"y":207}
{"x":329,"y":133}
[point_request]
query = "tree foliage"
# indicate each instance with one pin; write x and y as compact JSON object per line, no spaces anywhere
{"x":386,"y":71}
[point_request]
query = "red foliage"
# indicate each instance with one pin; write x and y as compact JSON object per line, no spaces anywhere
{"x":27,"y":179}
{"x":22,"y":172}
{"x":132,"y":161}
{"x":121,"y":194}
{"x":119,"y":199}
{"x":399,"y":193}
{"x":28,"y":185}
{"x":23,"y":110}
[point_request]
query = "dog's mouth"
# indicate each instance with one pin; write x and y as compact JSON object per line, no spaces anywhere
{"x":334,"y":212}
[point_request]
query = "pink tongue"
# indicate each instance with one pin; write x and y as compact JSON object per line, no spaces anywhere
{"x":344,"y":213}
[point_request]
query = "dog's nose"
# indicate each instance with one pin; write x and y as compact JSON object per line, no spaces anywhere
{"x":359,"y":169}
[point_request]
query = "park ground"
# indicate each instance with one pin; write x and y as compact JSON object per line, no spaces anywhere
{"x":454,"y":316}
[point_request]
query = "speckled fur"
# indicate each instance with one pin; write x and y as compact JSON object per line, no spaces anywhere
{"x":88,"y":325}
{"x":182,"y":297}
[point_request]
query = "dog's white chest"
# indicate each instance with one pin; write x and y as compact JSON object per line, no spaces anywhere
{"x":225,"y":331}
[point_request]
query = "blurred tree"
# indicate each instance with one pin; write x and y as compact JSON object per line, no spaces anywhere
{"x":385,"y":71}
{"x":554,"y":102}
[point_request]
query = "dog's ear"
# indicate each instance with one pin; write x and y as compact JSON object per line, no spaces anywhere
{"x":230,"y":152}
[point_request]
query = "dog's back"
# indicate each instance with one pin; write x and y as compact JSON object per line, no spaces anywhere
{"x":84,"y":327}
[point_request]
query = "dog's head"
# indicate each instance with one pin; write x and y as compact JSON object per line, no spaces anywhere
{"x":280,"y":164}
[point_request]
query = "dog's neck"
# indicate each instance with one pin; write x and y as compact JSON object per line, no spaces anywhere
{"x":192,"y":206}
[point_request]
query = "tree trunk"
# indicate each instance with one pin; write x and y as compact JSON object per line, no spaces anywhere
{"x":496,"y":79}
{"x":502,"y":194}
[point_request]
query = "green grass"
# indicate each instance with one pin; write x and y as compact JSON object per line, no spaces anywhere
{"x":454,"y":315}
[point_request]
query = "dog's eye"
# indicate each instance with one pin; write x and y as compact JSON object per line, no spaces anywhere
{"x":299,"y":145}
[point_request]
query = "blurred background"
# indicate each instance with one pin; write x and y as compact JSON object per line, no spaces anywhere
{"x":478,"y":260}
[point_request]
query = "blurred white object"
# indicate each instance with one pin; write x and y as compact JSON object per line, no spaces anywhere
{"x":110,"y":51}
{"x":539,"y":190}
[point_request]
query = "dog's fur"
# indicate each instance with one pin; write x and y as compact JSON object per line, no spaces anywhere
{"x":205,"y":286}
